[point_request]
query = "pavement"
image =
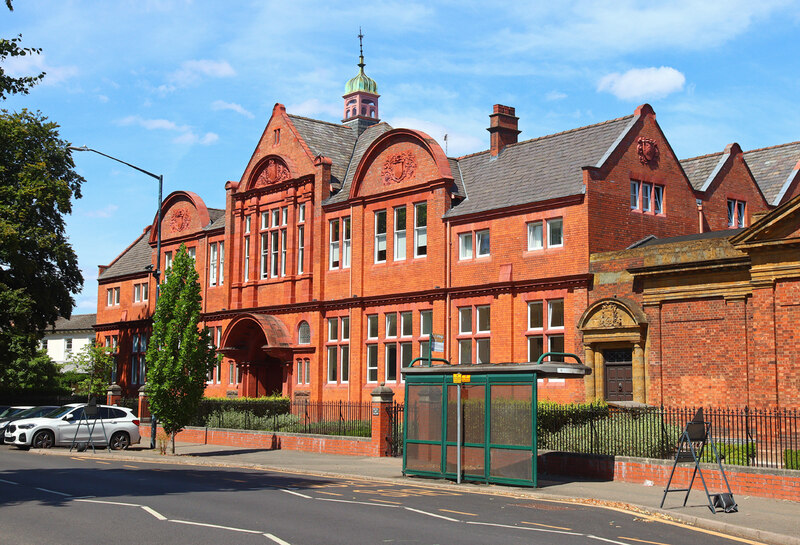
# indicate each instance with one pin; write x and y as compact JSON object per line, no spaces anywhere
{"x":759,"y":520}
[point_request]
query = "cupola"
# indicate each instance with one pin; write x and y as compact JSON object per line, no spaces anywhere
{"x":361,"y":94}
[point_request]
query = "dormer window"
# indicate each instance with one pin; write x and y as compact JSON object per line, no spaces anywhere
{"x":736,"y":213}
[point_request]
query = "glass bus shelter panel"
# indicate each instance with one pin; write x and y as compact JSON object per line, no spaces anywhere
{"x":423,"y":457}
{"x":473,"y":413}
{"x":511,"y":415}
{"x":473,"y":461}
{"x":511,"y":432}
{"x":424,"y":412}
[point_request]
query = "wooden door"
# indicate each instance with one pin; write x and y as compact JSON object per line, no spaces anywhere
{"x":619,"y":374}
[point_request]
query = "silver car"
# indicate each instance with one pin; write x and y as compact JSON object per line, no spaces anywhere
{"x":70,"y":426}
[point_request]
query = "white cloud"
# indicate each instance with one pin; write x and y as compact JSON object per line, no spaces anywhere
{"x":32,"y":65}
{"x":555,"y":95}
{"x":106,"y":212}
{"x":643,"y":83}
{"x":186,"y":133}
{"x":222,"y":105}
{"x":313,"y":106}
{"x":191,"y":72}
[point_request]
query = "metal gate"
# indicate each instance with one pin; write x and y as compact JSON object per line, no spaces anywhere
{"x":395,"y":439}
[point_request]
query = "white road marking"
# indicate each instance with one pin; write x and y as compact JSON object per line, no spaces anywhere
{"x":356,"y":502}
{"x":432,"y":514}
{"x":206,"y":525}
{"x":109,"y":502}
{"x":277,"y":540}
{"x":524,"y":528}
{"x":153,"y":512}
{"x":7,"y":482}
{"x":598,"y":538}
{"x":295,"y":493}
{"x":53,"y":492}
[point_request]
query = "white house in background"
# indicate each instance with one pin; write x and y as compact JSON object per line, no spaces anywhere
{"x":69,"y":336}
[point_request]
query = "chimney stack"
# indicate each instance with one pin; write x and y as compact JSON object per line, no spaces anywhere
{"x":503,"y":128}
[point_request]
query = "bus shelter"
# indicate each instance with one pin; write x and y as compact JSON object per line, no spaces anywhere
{"x":476,"y":422}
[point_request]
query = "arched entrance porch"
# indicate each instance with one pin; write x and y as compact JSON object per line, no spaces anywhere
{"x":260,"y":347}
{"x":614,"y":335}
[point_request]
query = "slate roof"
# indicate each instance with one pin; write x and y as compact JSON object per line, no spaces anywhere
{"x":772,"y":168}
{"x":133,"y":260}
{"x":356,"y":153}
{"x":536,"y":170}
{"x":77,"y":322}
{"x":699,"y":169}
{"x":329,"y":139}
{"x":217,"y":216}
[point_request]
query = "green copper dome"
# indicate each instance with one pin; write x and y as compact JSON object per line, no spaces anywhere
{"x":361,"y":82}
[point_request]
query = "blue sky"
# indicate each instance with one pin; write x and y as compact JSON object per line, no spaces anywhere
{"x":185,"y":88}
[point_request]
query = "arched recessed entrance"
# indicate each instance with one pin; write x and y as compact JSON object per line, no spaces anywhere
{"x":614,"y":334}
{"x":259,"y":345}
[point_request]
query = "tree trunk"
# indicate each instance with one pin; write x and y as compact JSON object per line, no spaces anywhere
{"x":173,"y":443}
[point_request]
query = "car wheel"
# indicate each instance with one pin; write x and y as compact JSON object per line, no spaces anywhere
{"x":43,"y":439}
{"x":120,"y":441}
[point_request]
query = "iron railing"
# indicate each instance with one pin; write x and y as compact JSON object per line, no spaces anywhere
{"x":395,"y":412}
{"x":751,"y":437}
{"x":327,"y":418}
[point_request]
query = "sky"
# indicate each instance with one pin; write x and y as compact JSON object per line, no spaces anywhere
{"x":185,"y":88}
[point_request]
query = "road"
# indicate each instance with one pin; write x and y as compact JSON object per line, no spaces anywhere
{"x":65,"y":500}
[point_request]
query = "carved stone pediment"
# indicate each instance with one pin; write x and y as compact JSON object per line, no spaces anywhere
{"x":272,"y":171}
{"x":609,"y":318}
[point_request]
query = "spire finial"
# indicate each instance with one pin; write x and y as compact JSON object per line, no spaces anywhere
{"x":361,"y":63}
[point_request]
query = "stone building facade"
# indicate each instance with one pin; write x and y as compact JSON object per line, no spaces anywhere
{"x":343,"y":247}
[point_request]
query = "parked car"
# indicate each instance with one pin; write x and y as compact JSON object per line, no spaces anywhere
{"x":9,"y":412}
{"x":30,"y":412}
{"x":69,"y":425}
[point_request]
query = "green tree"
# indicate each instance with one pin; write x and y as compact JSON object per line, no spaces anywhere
{"x":179,"y":354}
{"x":11,"y":48}
{"x":94,"y":363}
{"x":39,"y":270}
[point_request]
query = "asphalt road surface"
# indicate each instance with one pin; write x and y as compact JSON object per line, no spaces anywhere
{"x":77,"y":500}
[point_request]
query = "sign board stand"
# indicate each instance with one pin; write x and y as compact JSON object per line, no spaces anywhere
{"x":694,"y":438}
{"x":91,"y":410}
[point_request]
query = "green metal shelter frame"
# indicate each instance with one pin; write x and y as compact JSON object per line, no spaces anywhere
{"x":492,"y":438}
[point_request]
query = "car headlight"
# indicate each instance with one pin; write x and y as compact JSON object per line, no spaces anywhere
{"x":25,"y":426}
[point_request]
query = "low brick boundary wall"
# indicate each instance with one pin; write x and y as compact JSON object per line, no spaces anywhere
{"x":331,"y":444}
{"x":781,"y":484}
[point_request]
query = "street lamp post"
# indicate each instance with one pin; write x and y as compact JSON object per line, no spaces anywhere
{"x":157,"y":272}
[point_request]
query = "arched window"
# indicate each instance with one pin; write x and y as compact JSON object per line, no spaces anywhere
{"x":363,"y":110}
{"x":371,"y":112}
{"x":303,"y":333}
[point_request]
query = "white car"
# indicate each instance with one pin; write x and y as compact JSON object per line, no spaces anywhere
{"x":69,"y":426}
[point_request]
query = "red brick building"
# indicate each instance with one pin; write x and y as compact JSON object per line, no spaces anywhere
{"x":344,"y":246}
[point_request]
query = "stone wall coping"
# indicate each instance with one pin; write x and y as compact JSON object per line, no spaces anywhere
{"x":282,"y":433}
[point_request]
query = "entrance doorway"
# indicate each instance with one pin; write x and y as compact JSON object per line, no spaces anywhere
{"x":619,"y":374}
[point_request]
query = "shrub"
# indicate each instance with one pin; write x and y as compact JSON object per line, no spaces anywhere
{"x":258,"y":407}
{"x":738,"y":454}
{"x":791,"y":459}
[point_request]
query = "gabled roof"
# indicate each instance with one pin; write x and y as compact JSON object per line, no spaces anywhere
{"x":536,"y":170}
{"x":329,"y":139}
{"x":774,"y":168}
{"x":702,"y":170}
{"x":133,"y":260}
{"x":217,"y":216}
{"x":75,"y":323}
{"x":356,"y":153}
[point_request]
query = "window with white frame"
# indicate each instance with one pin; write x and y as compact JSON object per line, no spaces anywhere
{"x":301,"y":213}
{"x":333,"y":244}
{"x":284,"y":215}
{"x":425,"y":330}
{"x":167,"y":265}
{"x":346,"y":242}
{"x":247,"y":225}
{"x":400,"y":233}
{"x":420,"y":229}
{"x":283,"y":252}
{"x":391,"y":325}
{"x":465,"y":246}
{"x":482,"y":243}
{"x":112,"y":296}
{"x":380,"y":236}
{"x":231,"y":373}
{"x":264,"y":220}
{"x":555,"y":232}
{"x":138,"y":351}
{"x":276,"y":215}
{"x":344,"y":349}
{"x":274,"y":252}
{"x":68,"y":347}
{"x":246,"y":265}
{"x":406,"y":324}
{"x":217,"y":342}
{"x":390,"y":372}
{"x":474,"y":344}
{"x":736,"y":213}
{"x":647,"y":198}
{"x":372,"y":326}
{"x":213,"y":258}
{"x":545,"y":327}
{"x":301,"y":249}
{"x":221,"y":274}
{"x":264,"y":255}
{"x":372,"y":363}
{"x":140,"y":292}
